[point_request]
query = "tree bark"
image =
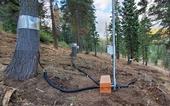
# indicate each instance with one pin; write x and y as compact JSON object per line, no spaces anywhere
{"x":78,"y":29}
{"x":117,"y":47}
{"x":143,"y":55}
{"x":24,"y":63}
{"x":54,"y":28}
{"x":146,"y":55}
{"x":95,"y":49}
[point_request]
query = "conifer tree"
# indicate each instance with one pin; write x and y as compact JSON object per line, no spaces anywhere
{"x":130,"y":29}
{"x":161,"y":12}
{"x":24,"y":63}
{"x":79,"y":17}
{"x":118,"y":29}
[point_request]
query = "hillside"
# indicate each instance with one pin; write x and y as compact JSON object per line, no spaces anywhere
{"x":151,"y":89}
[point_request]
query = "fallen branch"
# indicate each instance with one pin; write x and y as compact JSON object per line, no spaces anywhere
{"x":162,"y":90}
{"x":8,"y":95}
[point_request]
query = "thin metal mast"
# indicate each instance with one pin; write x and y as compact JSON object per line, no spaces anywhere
{"x":113,"y":44}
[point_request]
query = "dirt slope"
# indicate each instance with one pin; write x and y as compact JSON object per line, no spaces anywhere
{"x":151,"y":89}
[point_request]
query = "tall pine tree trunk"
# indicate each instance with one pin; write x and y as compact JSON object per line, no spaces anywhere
{"x":95,"y":49}
{"x":54,"y":28}
{"x":24,"y":63}
{"x":146,"y":55}
{"x":143,"y":54}
{"x":130,"y":51}
{"x":117,"y":47}
{"x":167,"y":61}
{"x":78,"y":29}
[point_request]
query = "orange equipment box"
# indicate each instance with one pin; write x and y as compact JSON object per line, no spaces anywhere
{"x":105,"y":84}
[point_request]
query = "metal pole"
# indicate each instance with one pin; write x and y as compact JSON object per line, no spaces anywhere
{"x":113,"y":44}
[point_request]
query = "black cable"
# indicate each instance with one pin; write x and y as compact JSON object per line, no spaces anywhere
{"x":132,"y":81}
{"x":39,"y":61}
{"x":118,"y":86}
{"x":66,"y":90}
{"x":80,"y":70}
{"x":127,"y":84}
{"x":45,"y":75}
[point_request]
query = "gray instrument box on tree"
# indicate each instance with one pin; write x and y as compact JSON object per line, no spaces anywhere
{"x":74,"y":49}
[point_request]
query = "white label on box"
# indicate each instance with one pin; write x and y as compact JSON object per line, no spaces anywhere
{"x":110,"y":49}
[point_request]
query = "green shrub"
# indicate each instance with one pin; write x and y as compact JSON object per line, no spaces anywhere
{"x":9,"y":25}
{"x":45,"y":36}
{"x":63,"y":44}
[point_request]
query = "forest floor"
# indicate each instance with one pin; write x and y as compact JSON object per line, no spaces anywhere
{"x":152,"y":87}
